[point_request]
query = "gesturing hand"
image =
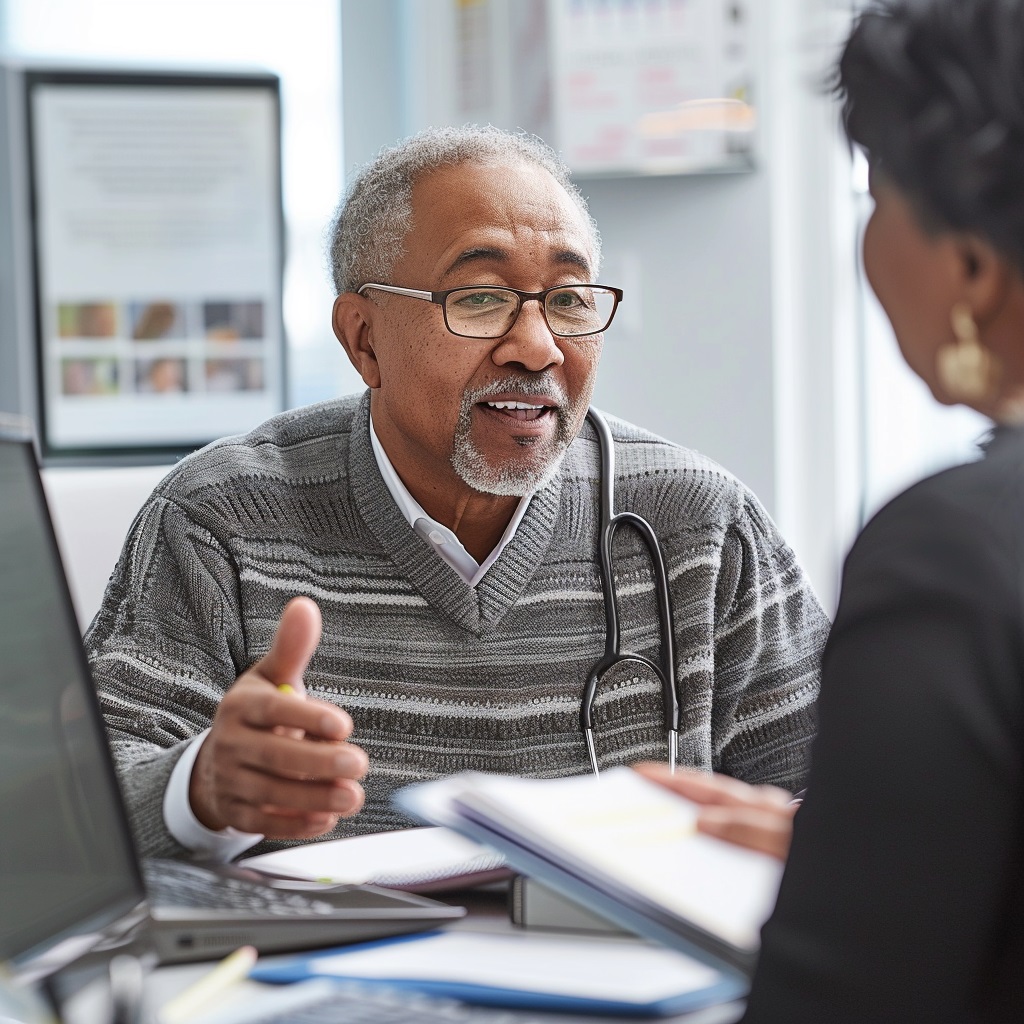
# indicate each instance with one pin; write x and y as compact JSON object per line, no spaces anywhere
{"x":758,"y":817}
{"x":276,"y":761}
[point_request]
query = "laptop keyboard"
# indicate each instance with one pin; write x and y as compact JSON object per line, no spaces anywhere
{"x":179,"y":883}
{"x":173,"y":883}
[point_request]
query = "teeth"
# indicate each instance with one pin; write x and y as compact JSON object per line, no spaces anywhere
{"x":513,"y":405}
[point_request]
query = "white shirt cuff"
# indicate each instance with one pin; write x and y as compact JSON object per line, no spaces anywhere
{"x":186,"y":827}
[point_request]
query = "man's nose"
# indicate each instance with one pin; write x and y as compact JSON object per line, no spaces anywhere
{"x":530,"y":342}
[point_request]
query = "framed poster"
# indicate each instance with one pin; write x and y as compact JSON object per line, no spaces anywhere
{"x":653,"y":86}
{"x":157,"y":235}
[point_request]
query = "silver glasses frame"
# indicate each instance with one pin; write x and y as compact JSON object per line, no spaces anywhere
{"x":439,"y":298}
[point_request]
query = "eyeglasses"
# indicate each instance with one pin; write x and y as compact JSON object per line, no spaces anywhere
{"x":487,"y":311}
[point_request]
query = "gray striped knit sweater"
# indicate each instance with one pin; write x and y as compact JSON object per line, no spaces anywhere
{"x":438,"y":676}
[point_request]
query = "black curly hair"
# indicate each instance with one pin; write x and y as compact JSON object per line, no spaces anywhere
{"x":933,"y":92}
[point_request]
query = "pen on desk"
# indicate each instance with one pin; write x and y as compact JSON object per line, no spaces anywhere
{"x":126,"y":982}
{"x":231,"y":969}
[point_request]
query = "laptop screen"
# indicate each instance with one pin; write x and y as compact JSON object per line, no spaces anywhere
{"x":67,"y":864}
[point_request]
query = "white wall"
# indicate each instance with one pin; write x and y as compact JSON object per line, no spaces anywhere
{"x":694,"y":362}
{"x":736,"y":295}
{"x":92,"y":510}
{"x":814,"y":267}
{"x":736,"y":329}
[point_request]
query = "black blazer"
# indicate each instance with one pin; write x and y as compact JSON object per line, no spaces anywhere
{"x":903,"y":897}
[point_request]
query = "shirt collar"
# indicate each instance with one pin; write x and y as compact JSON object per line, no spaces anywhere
{"x":437,"y":535}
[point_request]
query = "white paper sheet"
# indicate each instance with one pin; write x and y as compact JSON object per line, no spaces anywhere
{"x":404,"y":857}
{"x":606,"y":969}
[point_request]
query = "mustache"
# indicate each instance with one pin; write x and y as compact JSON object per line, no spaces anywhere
{"x":529,"y":387}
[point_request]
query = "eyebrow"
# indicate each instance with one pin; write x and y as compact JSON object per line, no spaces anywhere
{"x":483,"y":253}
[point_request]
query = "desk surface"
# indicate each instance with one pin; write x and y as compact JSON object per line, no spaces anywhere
{"x":487,"y":914}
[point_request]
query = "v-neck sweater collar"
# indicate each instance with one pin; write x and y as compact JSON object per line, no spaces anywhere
{"x":476,"y":609}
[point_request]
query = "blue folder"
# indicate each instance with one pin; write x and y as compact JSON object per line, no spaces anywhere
{"x":299,"y":968}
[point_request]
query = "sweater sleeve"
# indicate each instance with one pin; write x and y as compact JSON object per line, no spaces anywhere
{"x":769,"y":634}
{"x":166,"y":645}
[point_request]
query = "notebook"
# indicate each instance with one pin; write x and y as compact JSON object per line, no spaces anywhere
{"x":621,"y":846}
{"x":70,"y":877}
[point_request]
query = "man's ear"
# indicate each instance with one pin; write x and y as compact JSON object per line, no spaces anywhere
{"x":985,"y":277}
{"x":351,"y":319}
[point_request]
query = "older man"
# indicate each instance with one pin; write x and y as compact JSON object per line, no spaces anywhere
{"x":445,"y":524}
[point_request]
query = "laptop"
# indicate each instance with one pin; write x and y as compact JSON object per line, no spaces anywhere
{"x":70,"y":875}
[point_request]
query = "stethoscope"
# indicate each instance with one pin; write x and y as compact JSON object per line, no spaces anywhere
{"x":666,"y":672}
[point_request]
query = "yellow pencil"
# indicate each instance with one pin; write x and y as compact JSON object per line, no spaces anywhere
{"x":232,"y":968}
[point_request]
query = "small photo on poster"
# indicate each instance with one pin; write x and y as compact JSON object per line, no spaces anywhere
{"x":89,"y":377}
{"x":233,"y":321}
{"x":161,"y":377}
{"x":234,"y":375}
{"x":155,"y":320}
{"x":86,"y":320}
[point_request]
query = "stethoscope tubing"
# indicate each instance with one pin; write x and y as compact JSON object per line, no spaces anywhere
{"x":610,"y":522}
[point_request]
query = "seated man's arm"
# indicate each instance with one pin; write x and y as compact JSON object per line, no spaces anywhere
{"x":770,"y":631}
{"x":165,"y":650}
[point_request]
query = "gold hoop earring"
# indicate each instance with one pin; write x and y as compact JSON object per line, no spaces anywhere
{"x":967,"y":372}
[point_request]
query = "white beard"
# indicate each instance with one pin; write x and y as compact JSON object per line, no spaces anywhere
{"x":513,"y":479}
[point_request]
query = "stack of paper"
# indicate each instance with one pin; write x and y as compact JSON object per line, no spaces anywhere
{"x":415,"y":859}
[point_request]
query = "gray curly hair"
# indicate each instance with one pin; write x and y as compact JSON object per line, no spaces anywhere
{"x":367,"y":233}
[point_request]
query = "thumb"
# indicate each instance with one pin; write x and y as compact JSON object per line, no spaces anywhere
{"x":297,"y":637}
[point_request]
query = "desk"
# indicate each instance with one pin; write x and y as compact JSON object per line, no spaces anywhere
{"x":487,"y":914}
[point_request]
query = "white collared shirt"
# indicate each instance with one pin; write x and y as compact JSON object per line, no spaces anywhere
{"x":228,"y":843}
{"x":438,"y":536}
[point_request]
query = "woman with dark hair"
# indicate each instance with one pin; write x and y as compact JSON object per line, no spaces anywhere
{"x":903,"y":895}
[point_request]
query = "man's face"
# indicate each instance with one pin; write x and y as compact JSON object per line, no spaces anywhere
{"x":442,"y":410}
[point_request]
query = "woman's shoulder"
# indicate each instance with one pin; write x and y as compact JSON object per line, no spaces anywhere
{"x":960,"y":530}
{"x":988,"y":491}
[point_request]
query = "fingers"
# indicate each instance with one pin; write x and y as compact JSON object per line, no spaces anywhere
{"x":282,"y":755}
{"x":259,"y":706}
{"x":757,"y":817}
{"x":276,"y":761}
{"x":283,"y":809}
{"x":270,"y":781}
{"x":713,"y":789}
{"x":285,"y":825}
{"x":768,"y":830}
{"x":296,"y":640}
{"x":288,"y":826}
{"x":281,"y":823}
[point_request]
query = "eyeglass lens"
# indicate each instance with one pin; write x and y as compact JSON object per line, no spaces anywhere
{"x":571,"y":312}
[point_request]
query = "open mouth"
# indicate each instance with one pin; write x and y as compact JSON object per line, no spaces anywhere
{"x":521,"y":412}
{"x":511,"y":434}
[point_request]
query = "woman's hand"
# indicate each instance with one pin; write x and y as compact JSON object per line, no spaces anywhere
{"x":758,"y":817}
